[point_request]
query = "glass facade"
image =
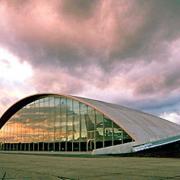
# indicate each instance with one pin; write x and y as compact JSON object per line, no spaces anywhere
{"x":58,"y":123}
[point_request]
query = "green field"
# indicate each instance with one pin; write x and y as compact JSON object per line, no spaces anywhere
{"x":13,"y":166}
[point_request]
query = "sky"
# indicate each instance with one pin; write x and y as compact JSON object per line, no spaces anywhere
{"x":125,"y":52}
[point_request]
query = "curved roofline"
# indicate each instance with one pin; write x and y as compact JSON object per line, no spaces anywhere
{"x":140,"y":126}
{"x":23,"y":102}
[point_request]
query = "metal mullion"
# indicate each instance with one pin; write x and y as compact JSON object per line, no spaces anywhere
{"x":43,"y":105}
{"x":50,"y":121}
{"x":66,"y":126}
{"x":1,"y":142}
{"x":18,"y":134}
{"x":43,"y":141}
{"x":85,"y":117}
{"x":49,"y":115}
{"x":27,"y":110}
{"x":7,"y":126}
{"x":60,"y":129}
{"x":35,"y":130}
{"x":73,"y":125}
{"x":79,"y":127}
{"x":29,"y":148}
{"x":12,"y":136}
{"x":9,"y":134}
{"x":32,"y":137}
{"x":16,"y":137}
{"x":3,"y":139}
{"x":103,"y":131}
{"x":22,"y":112}
{"x":21,"y":135}
{"x":112,"y":133}
{"x":94,"y":128}
{"x":1,"y":131}
{"x":122,"y":136}
{"x":38,"y":115}
{"x":24,"y":129}
{"x":54,"y":120}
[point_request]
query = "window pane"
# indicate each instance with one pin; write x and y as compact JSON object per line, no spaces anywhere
{"x":99,"y":130}
{"x":60,"y":123}
{"x":108,"y":132}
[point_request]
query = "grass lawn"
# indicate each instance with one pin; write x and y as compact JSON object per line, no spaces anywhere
{"x":26,"y":167}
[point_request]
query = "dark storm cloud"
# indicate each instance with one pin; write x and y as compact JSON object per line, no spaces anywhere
{"x":154,"y":24}
{"x":79,"y":9}
{"x":165,"y":83}
{"x":38,"y":41}
{"x":160,"y":26}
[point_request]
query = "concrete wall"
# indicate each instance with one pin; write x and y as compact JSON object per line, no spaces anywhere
{"x":117,"y":149}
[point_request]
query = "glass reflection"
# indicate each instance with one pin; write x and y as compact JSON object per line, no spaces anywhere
{"x":57,"y":123}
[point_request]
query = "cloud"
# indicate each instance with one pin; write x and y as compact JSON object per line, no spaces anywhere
{"x":14,"y":79}
{"x":123,"y":51}
{"x":49,"y":31}
{"x":174,"y":117}
{"x":67,"y":33}
{"x":54,"y":80}
{"x":80,"y":9}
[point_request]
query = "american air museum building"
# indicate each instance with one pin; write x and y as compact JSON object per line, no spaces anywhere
{"x":65,"y":123}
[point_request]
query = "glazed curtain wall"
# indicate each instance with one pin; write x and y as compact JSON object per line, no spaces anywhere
{"x":57,"y":123}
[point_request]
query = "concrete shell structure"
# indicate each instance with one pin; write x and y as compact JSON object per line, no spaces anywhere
{"x":70,"y":123}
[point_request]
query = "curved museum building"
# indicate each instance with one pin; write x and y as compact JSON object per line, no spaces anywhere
{"x":54,"y":122}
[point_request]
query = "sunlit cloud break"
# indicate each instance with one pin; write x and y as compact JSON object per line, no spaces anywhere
{"x":15,"y":76}
{"x":174,"y":117}
{"x":12,"y":69}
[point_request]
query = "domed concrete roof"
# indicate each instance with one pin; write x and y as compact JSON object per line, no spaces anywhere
{"x":142,"y":127}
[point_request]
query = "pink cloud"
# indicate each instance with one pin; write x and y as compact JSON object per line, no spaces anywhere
{"x":111,"y":50}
